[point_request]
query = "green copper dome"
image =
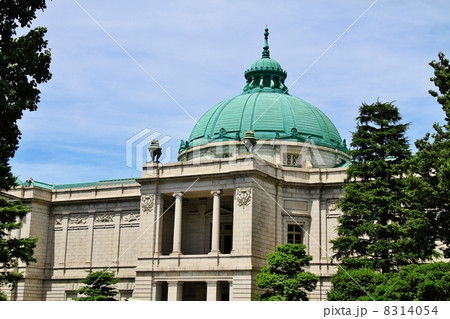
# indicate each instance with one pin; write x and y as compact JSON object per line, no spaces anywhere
{"x":266,"y":64}
{"x":266,"y":108}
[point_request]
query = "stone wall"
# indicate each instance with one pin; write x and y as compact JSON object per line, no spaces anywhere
{"x":265,"y":220}
{"x":89,"y":231}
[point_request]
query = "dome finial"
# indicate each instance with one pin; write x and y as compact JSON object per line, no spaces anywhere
{"x":265,"y":74}
{"x":266,"y":53}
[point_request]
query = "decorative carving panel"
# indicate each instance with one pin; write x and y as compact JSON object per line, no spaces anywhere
{"x":104,"y":218}
{"x":243,"y":196}
{"x":131,"y":218}
{"x":58,"y":220}
{"x":147,"y":203}
{"x":332,"y":208}
{"x":332,"y":205}
{"x":78,"y":220}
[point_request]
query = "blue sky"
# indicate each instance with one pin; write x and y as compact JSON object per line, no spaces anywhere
{"x":122,"y":67}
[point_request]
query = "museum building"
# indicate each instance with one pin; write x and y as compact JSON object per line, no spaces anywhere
{"x":258,"y":170}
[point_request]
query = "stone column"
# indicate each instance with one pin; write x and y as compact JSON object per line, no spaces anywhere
{"x":177,"y":223}
{"x":211,"y":291}
{"x":215,"y":238}
{"x":174,"y":291}
{"x":158,"y":222}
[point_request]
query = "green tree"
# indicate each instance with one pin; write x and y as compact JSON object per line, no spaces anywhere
{"x":284,"y":279}
{"x":24,"y":63}
{"x":355,"y":284}
{"x":427,"y":282}
{"x":379,"y":229}
{"x":431,"y":164}
{"x":13,"y":250}
{"x":98,"y":287}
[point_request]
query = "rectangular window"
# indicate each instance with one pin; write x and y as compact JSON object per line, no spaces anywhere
{"x":294,"y":234}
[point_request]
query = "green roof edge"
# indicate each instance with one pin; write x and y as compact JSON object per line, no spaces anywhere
{"x":82,"y":185}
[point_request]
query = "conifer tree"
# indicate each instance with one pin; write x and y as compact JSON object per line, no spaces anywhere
{"x":379,"y":229}
{"x":13,"y":250}
{"x":98,"y":287}
{"x":284,"y":278}
{"x":431,"y":186}
{"x":426,"y":282}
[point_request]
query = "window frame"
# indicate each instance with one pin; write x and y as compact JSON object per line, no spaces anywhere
{"x":303,"y":220}
{"x":297,"y":233}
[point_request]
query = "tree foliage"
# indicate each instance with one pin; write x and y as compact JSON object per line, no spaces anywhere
{"x":428,"y":282}
{"x":13,"y":250}
{"x":98,"y":287}
{"x":284,"y":279}
{"x":379,"y":229}
{"x":24,"y":63}
{"x":355,"y":284}
{"x":411,"y":218}
{"x":431,"y":164}
{"x":441,"y":80}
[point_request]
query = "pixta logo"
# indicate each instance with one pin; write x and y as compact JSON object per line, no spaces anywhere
{"x":137,"y":148}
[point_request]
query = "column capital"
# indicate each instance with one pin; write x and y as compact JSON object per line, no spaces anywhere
{"x":179,"y":194}
{"x":217,"y":192}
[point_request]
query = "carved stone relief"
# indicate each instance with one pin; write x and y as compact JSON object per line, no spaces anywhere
{"x":131,"y":217}
{"x":104,"y":218}
{"x":243,"y":196}
{"x":333,"y":209}
{"x":77,"y":220}
{"x":58,"y":220}
{"x":333,"y":205}
{"x":147,"y":203}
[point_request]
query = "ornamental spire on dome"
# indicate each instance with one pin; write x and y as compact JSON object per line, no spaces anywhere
{"x":265,"y":74}
{"x":266,"y":53}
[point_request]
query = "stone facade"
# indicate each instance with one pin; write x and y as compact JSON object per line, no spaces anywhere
{"x":183,"y":231}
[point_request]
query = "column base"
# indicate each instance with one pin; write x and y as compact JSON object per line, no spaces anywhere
{"x":176,"y":253}
{"x":214,"y":252}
